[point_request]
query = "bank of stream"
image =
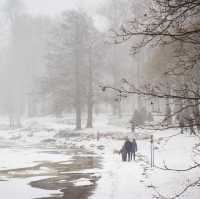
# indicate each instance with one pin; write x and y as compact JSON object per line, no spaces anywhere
{"x":74,"y":178}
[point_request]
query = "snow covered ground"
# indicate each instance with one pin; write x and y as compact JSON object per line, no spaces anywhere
{"x":20,"y":188}
{"x":137,"y":179}
{"x":120,"y":179}
{"x":51,"y":140}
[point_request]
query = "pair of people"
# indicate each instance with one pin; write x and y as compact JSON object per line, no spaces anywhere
{"x":128,"y":150}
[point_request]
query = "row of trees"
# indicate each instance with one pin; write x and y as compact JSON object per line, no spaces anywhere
{"x":169,"y":32}
{"x":22,"y":60}
{"x":55,"y":65}
{"x":75,"y":55}
{"x":81,"y":55}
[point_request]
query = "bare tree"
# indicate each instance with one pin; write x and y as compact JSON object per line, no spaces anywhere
{"x":173,"y":24}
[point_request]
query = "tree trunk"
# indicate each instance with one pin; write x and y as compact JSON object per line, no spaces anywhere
{"x":196,"y":111}
{"x":77,"y":80}
{"x":30,"y":106}
{"x":89,"y":113}
{"x":116,"y":105}
{"x":168,"y":110}
{"x":90,"y":94}
{"x":11,"y":119}
{"x":77,"y":96}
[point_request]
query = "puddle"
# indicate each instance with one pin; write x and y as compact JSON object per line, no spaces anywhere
{"x":19,"y":189}
{"x":64,"y":181}
{"x":51,"y":179}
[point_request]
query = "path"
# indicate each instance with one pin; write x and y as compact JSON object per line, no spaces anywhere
{"x":121,"y":179}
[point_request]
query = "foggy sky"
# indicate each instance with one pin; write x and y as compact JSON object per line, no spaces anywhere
{"x":55,"y":7}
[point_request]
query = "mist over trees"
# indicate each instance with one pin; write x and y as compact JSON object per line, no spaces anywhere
{"x":168,"y":31}
{"x":136,"y":62}
{"x":23,"y":61}
{"x":57,"y":65}
{"x":72,"y":61}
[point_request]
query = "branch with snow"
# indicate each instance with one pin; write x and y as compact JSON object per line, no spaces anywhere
{"x":177,"y":195}
{"x":166,"y":168}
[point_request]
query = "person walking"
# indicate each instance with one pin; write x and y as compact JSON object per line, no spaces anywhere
{"x":123,"y":153}
{"x":181,"y":124}
{"x":191,"y":126}
{"x":128,"y":147}
{"x":133,"y":149}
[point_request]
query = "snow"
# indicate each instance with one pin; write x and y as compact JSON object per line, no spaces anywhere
{"x":82,"y":182}
{"x":119,"y":179}
{"x":95,"y":171}
{"x":27,"y":157}
{"x":135,"y":179}
{"x":19,"y":189}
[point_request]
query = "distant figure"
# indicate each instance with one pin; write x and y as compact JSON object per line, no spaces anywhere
{"x":128,"y":147}
{"x":133,"y":149}
{"x":191,"y":126}
{"x":181,"y":124}
{"x":132,"y":126}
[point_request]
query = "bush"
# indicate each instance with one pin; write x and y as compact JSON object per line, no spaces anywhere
{"x":141,"y":116}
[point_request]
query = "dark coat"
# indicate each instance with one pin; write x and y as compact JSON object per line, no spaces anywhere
{"x":134,"y":146}
{"x":124,"y":153}
{"x":128,"y":146}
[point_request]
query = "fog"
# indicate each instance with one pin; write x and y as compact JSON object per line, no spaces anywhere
{"x":51,"y":7}
{"x":32,"y":62}
{"x":56,"y":56}
{"x":99,"y":99}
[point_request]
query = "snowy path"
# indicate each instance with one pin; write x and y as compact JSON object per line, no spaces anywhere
{"x":121,"y":180}
{"x":132,"y":180}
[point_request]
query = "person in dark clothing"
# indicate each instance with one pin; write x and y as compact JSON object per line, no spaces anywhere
{"x":181,"y":124}
{"x":123,"y":153}
{"x":133,"y":149}
{"x":191,"y":125}
{"x":128,"y":147}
